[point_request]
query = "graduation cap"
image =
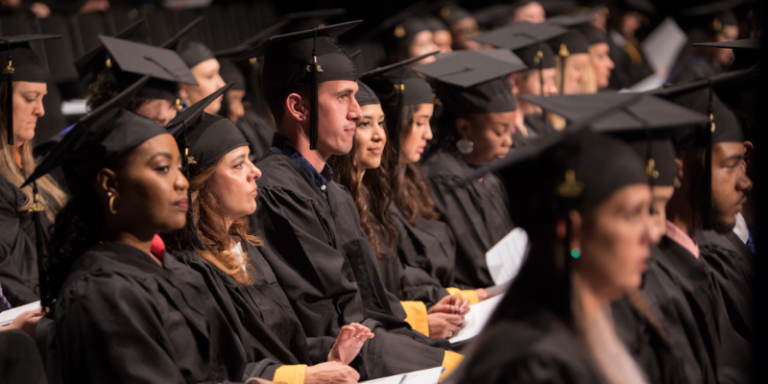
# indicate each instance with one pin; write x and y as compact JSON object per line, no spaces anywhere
{"x":569,"y":21}
{"x":306,"y":57}
{"x":397,"y":85}
{"x":746,"y":51}
{"x":251,"y":42}
{"x":399,"y":26}
{"x":435,"y":24}
{"x":93,"y":61}
{"x":593,"y":34}
{"x":570,"y":43}
{"x":203,"y":139}
{"x":494,"y":16}
{"x":452,"y":13}
{"x":520,"y":35}
{"x":20,"y":63}
{"x":474,"y":82}
{"x":745,"y":44}
{"x":300,"y":21}
{"x":365,"y":95}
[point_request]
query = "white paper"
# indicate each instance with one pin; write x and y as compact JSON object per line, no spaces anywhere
{"x":425,"y":376}
{"x":651,"y":82}
{"x":663,"y":45}
{"x":475,"y":320}
{"x":7,"y":316}
{"x":506,"y":257}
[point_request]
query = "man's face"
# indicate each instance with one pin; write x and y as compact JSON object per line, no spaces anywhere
{"x":338,"y":113}
{"x":729,"y":183}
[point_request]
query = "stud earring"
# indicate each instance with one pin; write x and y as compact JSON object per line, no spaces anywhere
{"x":576,"y":252}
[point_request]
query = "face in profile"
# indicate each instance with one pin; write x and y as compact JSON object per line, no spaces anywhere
{"x":235,"y":104}
{"x":601,"y":63}
{"x":576,"y":66}
{"x":208,"y":81}
{"x":421,"y":44}
{"x":614,"y":241}
{"x":233,"y":184}
{"x":729,"y":183}
{"x":414,"y":139}
{"x":490,"y":134}
{"x":462,"y":30}
{"x":150,"y":189}
{"x":370,"y":137}
{"x":158,"y":110}
{"x":338,"y":115}
{"x":443,"y":41}
{"x":27,"y":108}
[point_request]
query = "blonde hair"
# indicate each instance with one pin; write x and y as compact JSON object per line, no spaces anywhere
{"x":589,"y":86}
{"x":49,"y":192}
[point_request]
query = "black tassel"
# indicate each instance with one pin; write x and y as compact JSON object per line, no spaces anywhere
{"x":8,"y":72}
{"x":38,"y":209}
{"x":313,"y":109}
{"x":187,"y":162}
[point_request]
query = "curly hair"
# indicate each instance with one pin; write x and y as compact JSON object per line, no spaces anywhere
{"x":372,"y":195}
{"x":104,"y":89}
{"x":410,"y":192}
{"x":207,"y":214}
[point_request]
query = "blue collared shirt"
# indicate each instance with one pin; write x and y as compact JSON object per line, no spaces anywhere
{"x":321,"y":179}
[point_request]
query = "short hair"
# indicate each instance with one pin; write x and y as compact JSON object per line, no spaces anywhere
{"x":277,"y":106}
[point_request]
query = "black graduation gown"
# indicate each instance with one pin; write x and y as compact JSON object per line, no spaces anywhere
{"x":18,"y":247}
{"x":257,"y":132}
{"x":120,"y":315}
{"x":326,"y":266}
{"x":645,"y":343}
{"x":263,"y":310}
{"x":405,"y":269}
{"x":538,"y":349}
{"x":476,"y":212}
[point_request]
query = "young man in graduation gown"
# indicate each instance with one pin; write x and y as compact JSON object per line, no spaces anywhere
{"x":309,"y":224}
{"x":705,"y":228}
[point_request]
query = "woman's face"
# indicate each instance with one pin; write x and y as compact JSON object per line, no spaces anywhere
{"x":443,"y":41}
{"x":27,"y":108}
{"x":370,"y":137}
{"x":208,"y":81}
{"x":462,"y":30}
{"x":234,"y":184}
{"x":530,"y":84}
{"x":658,"y":224}
{"x":235,"y":102}
{"x":576,"y":72}
{"x":601,"y":63}
{"x":158,"y":110}
{"x":413,"y":143}
{"x":490,"y":134}
{"x":151,"y":190}
{"x":615,"y":244}
{"x":724,"y":56}
{"x":532,"y":13}
{"x":422,"y":44}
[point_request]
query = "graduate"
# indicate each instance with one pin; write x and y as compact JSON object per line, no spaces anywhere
{"x":217,"y":243}
{"x":599,"y":55}
{"x":626,"y":18}
{"x":409,"y":37}
{"x":441,"y":35}
{"x":309,"y":224}
{"x":702,"y":223}
{"x":573,"y":68}
{"x":406,"y":266}
{"x":22,"y":94}
{"x":551,"y":326}
{"x":205,"y":68}
{"x":463,"y":26}
{"x":475,"y":129}
{"x":112,"y":280}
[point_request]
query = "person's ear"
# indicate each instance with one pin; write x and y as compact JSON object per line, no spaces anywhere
{"x":294,"y":105}
{"x":513,"y":81}
{"x":106,"y":185}
{"x":679,"y":175}
{"x":463,"y":127}
{"x":749,"y":149}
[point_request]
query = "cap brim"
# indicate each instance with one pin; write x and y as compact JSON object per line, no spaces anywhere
{"x":736,"y":44}
{"x":469,"y":68}
{"x":520,"y":35}
{"x":397,"y":65}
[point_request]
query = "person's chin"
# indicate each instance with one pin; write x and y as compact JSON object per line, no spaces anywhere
{"x":725,"y":226}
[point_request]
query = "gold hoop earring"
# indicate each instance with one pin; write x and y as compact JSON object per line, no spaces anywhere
{"x":112,"y":198}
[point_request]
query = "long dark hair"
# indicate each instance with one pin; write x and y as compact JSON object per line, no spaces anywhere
{"x":445,"y":133}
{"x":372,"y":195}
{"x":410,"y":192}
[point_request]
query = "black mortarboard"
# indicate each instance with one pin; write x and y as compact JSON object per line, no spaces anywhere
{"x":203,"y":139}
{"x":398,"y":26}
{"x":493,"y":16}
{"x":569,"y":21}
{"x":493,"y":96}
{"x":593,"y":34}
{"x":569,"y":43}
{"x":435,"y":24}
{"x":19,"y":63}
{"x":300,"y":21}
{"x":128,"y":61}
{"x":452,"y":13}
{"x":230,"y":73}
{"x":746,"y":51}
{"x":468,"y":68}
{"x":647,"y":112}
{"x":397,"y":85}
{"x":520,"y":35}
{"x":251,"y":42}
{"x":193,"y":52}
{"x":721,"y":10}
{"x":307,"y":57}
{"x":365,"y":95}
{"x":659,"y":155}
{"x":93,"y":61}
{"x":748,"y":44}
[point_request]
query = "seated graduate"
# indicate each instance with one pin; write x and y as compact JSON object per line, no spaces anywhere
{"x":475,"y":128}
{"x":407,"y":36}
{"x":124,"y":308}
{"x":404,"y":264}
{"x":205,"y":67}
{"x":110,"y":68}
{"x":441,"y":35}
{"x":217,"y":243}
{"x":599,"y":55}
{"x":572,"y":64}
{"x":701,"y":223}
{"x":309,"y":224}
{"x":586,"y":211}
{"x":625,"y":19}
{"x":19,"y":242}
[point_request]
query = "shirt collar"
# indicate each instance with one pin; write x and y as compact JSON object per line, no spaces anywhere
{"x":321,"y":179}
